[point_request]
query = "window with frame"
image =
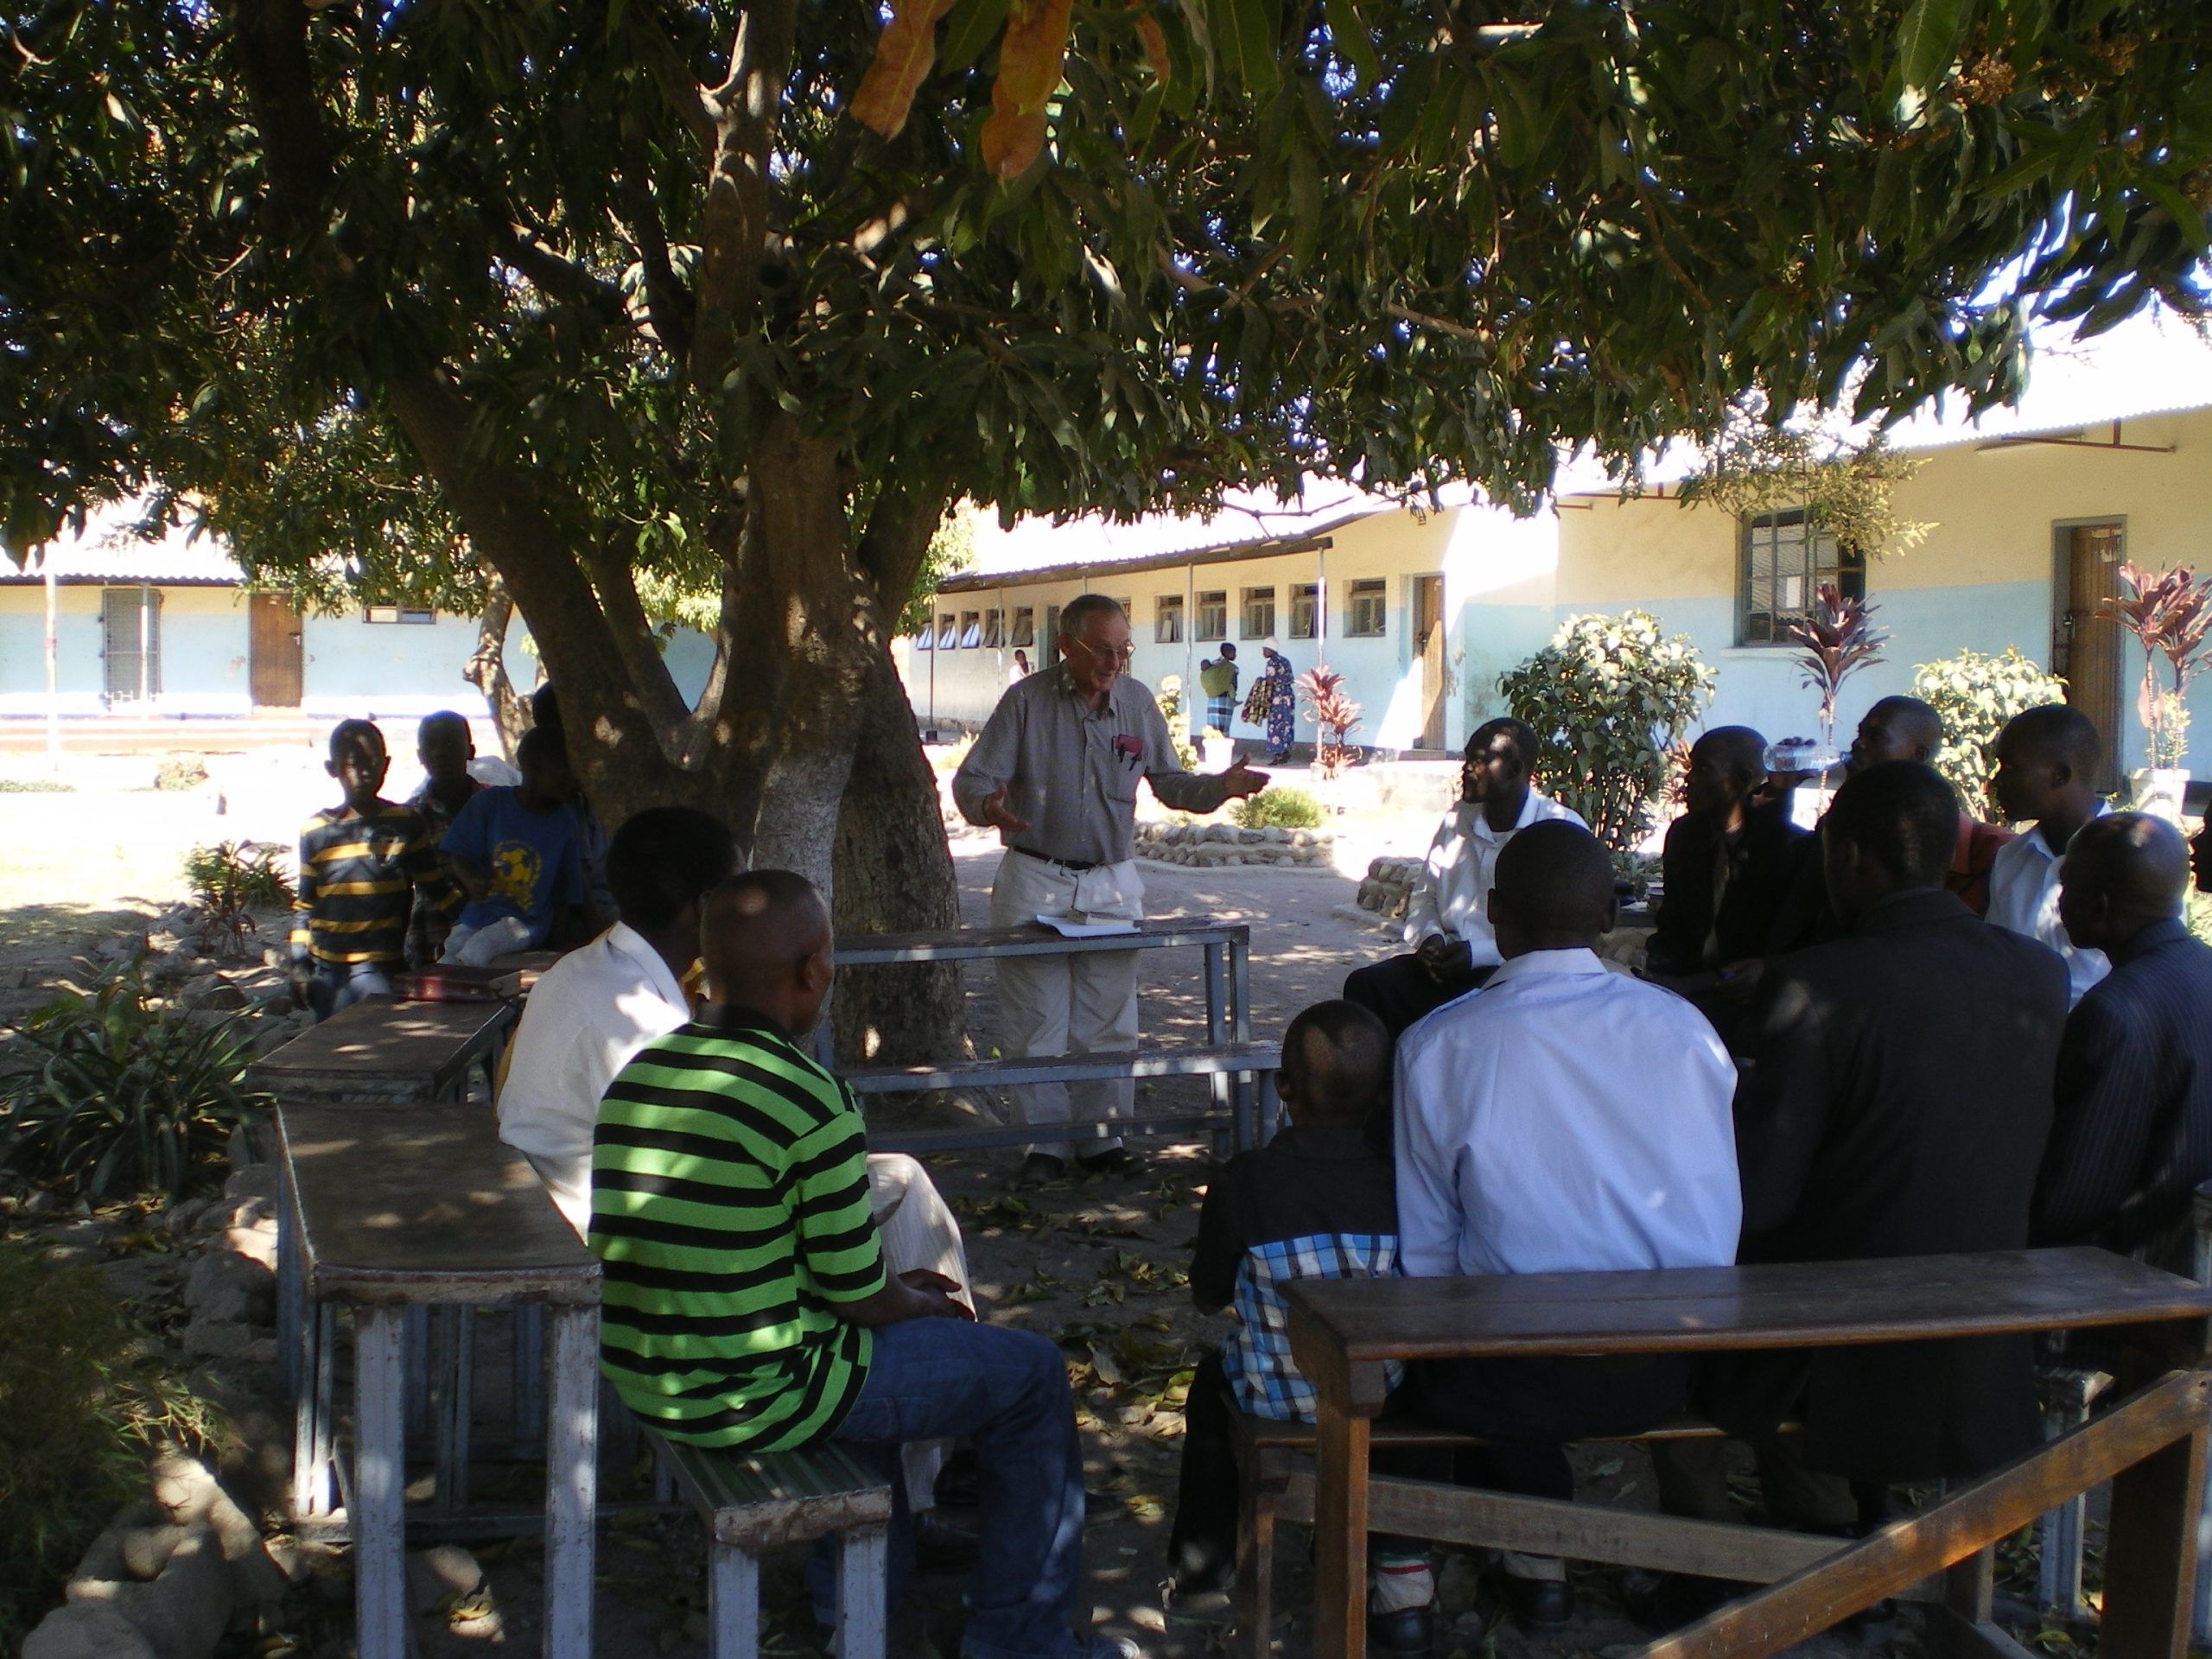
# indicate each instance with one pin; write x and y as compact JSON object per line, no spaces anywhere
{"x":1213,"y":615}
{"x":1167,"y":620}
{"x":971,"y":629}
{"x":397,"y":613}
{"x":1784,"y":561}
{"x":1256,"y":616}
{"x":994,"y":627}
{"x":925,"y":636}
{"x":1025,"y":626}
{"x":1305,"y":610}
{"x":948,"y":632}
{"x":1366,"y":608}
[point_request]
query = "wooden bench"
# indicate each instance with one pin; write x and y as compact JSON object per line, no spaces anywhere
{"x":1343,"y":1333}
{"x":408,"y":1206}
{"x":751,"y":1503}
{"x":1256,"y":1061}
{"x":383,"y":1050}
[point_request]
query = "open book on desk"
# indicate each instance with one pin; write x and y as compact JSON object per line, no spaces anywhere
{"x":1076,"y":925}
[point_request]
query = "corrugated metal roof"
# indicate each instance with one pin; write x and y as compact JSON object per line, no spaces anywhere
{"x":111,"y":550}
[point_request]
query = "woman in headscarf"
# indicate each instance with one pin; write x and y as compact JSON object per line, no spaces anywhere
{"x":1282,"y":701}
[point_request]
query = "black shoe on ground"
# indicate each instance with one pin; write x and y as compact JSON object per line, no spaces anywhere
{"x":1116,"y":1160}
{"x":1408,"y":1633}
{"x":1039,"y":1168}
{"x":1540,"y":1604}
{"x":942,"y":1544}
{"x":1660,"y":1602}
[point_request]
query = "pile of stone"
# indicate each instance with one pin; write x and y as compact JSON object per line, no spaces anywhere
{"x":1388,"y":885}
{"x":1209,"y":844}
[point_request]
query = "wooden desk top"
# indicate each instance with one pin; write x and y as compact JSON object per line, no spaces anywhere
{"x":531,"y":964}
{"x":383,"y":1039}
{"x":423,"y":1203}
{"x":1026,"y":939}
{"x":1798,"y":1304}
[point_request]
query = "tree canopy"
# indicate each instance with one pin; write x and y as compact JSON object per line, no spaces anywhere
{"x":577,"y":293}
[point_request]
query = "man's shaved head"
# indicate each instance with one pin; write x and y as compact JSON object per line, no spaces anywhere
{"x":1911,"y":718}
{"x":1336,"y":1058}
{"x":765,"y":940}
{"x":1740,"y":748}
{"x":2123,"y":872}
{"x":1555,"y":889}
{"x":2055,"y":731}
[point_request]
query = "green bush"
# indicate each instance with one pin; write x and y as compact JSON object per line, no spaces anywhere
{"x":231,"y":881}
{"x":35,"y":786}
{"x":84,"y":1398}
{"x":1276,"y":807}
{"x":1608,"y":697}
{"x":105,"y":1093}
{"x":1169,"y":695}
{"x":181,"y":771}
{"x":1976,"y":695}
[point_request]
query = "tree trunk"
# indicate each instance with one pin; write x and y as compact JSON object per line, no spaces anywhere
{"x":893,"y":875}
{"x":487,"y":668}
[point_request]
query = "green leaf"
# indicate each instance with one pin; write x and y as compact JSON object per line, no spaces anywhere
{"x":1244,"y":32}
{"x":1928,"y":41}
{"x":971,"y":26}
{"x":1349,"y":35}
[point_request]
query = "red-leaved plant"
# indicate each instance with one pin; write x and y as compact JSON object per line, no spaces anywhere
{"x":1333,"y":713}
{"x":1835,"y":639}
{"x":2170,"y":615}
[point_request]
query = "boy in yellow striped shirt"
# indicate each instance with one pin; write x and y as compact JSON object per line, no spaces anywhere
{"x":359,"y":863}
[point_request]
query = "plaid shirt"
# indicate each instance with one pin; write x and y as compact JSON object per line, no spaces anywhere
{"x":1256,"y":1360}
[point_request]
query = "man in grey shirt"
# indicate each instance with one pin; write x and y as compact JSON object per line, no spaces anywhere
{"x":1055,"y":773}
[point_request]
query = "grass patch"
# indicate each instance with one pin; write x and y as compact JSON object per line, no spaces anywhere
{"x":35,"y":786}
{"x":81,"y":1406}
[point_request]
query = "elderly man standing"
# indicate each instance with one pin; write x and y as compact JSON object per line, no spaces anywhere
{"x":1055,"y":773}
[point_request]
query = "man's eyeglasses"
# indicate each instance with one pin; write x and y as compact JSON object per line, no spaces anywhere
{"x":1121,"y":654}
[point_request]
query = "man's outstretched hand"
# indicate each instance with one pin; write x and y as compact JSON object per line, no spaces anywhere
{"x":996,"y":814}
{"x":1241,"y":780}
{"x":939,"y":1290}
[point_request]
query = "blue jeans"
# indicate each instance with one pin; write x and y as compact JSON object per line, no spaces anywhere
{"x":340,"y":985}
{"x":1007,"y":1391}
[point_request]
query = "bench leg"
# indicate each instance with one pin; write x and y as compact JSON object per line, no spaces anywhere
{"x":313,"y":1412}
{"x":1340,"y":1534}
{"x":2150,"y":1554}
{"x":1256,"y":1573}
{"x":380,"y":1483}
{"x":454,"y":1373}
{"x":417,"y":1321}
{"x":571,"y":1482}
{"x":733,"y":1603}
{"x":863,"y":1556}
{"x":529,"y":1379}
{"x":2059,"y":1534}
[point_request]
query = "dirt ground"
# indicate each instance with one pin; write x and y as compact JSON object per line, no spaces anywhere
{"x":1097,"y":1264}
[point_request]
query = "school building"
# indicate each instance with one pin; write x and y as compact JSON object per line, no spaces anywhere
{"x":2106,"y":457}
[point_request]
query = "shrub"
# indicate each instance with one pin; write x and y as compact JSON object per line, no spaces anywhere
{"x":1169,"y":695}
{"x":35,"y":786}
{"x":229,"y":881}
{"x":1335,"y":716}
{"x":84,"y":1398}
{"x":1976,"y":695}
{"x":1276,"y":809}
{"x":181,"y":771}
{"x":1608,"y":697}
{"x":106,"y":1093}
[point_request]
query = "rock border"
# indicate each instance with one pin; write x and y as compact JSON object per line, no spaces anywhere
{"x":1204,"y":845}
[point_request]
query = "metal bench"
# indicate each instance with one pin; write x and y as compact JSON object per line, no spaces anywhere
{"x":756,"y":1502}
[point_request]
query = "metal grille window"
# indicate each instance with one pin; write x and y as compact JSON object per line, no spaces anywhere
{"x":130,"y":637}
{"x":1784,"y":562}
{"x":397,"y":613}
{"x":1305,"y":610}
{"x":1025,"y":626}
{"x":1167,"y":620}
{"x":1366,"y":606}
{"x":1258,"y":618}
{"x":1213,"y":615}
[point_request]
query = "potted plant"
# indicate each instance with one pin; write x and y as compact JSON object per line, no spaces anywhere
{"x":1219,"y":752}
{"x":1835,"y":641}
{"x":1334,"y":713}
{"x":2170,"y":615}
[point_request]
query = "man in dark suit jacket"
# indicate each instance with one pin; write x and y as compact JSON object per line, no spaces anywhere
{"x":1726,"y":866}
{"x":2133,"y":1134}
{"x":1898,"y":1102}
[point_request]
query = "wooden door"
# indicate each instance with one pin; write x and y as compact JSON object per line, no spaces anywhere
{"x":2086,"y":638}
{"x":1428,"y":646}
{"x":275,"y":659}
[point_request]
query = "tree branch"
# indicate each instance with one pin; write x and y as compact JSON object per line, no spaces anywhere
{"x":272,"y":37}
{"x":634,"y":636}
{"x":734,"y":224}
{"x":674,"y":77}
{"x":668,"y":302}
{"x":893,"y":545}
{"x":556,"y":276}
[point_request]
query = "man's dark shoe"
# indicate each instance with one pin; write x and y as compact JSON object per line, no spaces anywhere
{"x":1540,"y":1604}
{"x":1039,"y":1168}
{"x":1408,"y":1633}
{"x":942,"y":1544}
{"x":1117,"y":1160}
{"x":1666,"y":1601}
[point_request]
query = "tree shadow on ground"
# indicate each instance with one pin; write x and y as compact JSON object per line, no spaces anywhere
{"x":56,"y":930}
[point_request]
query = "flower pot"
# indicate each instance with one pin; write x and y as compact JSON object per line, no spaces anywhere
{"x":2158,"y":791}
{"x":1219,"y":754}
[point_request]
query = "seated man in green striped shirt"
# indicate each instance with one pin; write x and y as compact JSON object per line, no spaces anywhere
{"x":746,"y":1303}
{"x":359,"y":863}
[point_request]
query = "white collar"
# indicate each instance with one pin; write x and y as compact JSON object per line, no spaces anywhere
{"x":2033,"y":835}
{"x":624,"y":942}
{"x":1478,"y":824}
{"x":1574,"y":963}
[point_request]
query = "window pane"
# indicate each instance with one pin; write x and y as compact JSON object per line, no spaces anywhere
{"x":1213,"y":615}
{"x":1785,"y":564}
{"x":948,"y":632}
{"x":994,"y":628}
{"x":1305,"y":609}
{"x":1258,"y":620}
{"x":971,"y":629}
{"x":1167,"y":620}
{"x":1025,"y":624}
{"x":1365,"y":608}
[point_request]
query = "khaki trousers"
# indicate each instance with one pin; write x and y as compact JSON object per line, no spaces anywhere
{"x":1080,"y":1004}
{"x":917,"y":1230}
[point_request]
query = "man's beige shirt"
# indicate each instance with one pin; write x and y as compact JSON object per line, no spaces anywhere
{"x":1071,"y":771}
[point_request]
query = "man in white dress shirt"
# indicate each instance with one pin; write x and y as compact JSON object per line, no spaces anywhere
{"x":2047,"y":761}
{"x":1562,"y":1119}
{"x":1447,"y":922}
{"x":602,"y":1002}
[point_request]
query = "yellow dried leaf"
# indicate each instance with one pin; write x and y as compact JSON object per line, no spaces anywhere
{"x":1030,"y":57}
{"x":904,"y":52}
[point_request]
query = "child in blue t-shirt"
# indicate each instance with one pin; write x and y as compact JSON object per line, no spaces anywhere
{"x":514,"y":853}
